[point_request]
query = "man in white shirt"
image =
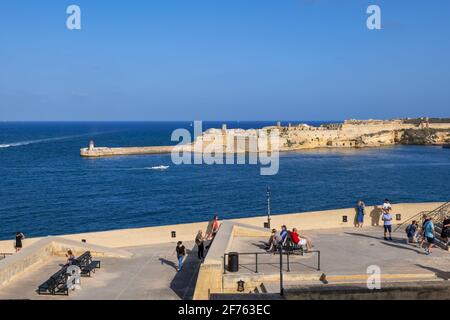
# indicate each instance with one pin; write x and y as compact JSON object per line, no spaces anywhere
{"x":387,"y":205}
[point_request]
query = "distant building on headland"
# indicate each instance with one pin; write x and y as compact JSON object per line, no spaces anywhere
{"x":349,"y":134}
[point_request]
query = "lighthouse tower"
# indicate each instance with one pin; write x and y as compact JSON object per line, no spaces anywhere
{"x":91,"y":145}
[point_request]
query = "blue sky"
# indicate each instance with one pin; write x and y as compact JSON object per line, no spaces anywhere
{"x":224,"y":60}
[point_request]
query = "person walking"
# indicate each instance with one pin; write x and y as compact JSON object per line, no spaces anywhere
{"x":429,"y":235}
{"x":200,"y":242}
{"x":180,"y":250}
{"x":387,"y":224}
{"x":360,"y":208}
{"x":18,"y":244}
{"x":421,"y":232}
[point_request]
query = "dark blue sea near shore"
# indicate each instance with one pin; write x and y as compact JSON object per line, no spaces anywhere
{"x":46,"y":188}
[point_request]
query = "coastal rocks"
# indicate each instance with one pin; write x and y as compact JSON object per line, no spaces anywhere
{"x":425,"y":137}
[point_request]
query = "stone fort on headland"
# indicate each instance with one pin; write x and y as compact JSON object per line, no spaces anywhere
{"x":349,"y":134}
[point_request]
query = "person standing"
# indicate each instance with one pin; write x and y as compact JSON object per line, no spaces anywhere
{"x":200,"y":242}
{"x":387,"y":224}
{"x":429,"y":235}
{"x":445,"y":234}
{"x":360,"y":208}
{"x":421,"y":233}
{"x":181,"y":253}
{"x":19,"y":237}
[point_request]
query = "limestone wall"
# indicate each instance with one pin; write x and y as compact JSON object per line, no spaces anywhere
{"x":187,"y":232}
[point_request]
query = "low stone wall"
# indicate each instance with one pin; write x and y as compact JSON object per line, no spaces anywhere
{"x":18,"y":263}
{"x":43,"y":249}
{"x":423,"y":290}
{"x":187,"y":232}
{"x":210,"y":277}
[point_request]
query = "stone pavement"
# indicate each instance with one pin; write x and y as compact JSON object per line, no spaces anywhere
{"x":348,"y":251}
{"x":149,"y":274}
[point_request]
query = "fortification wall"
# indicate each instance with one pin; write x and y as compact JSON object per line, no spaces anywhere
{"x":187,"y":232}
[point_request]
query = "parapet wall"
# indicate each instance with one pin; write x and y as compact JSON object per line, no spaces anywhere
{"x":187,"y":232}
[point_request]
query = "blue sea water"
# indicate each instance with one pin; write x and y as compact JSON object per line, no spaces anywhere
{"x":46,"y":188}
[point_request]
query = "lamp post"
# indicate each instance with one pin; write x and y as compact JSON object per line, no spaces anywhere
{"x":281,"y":271}
{"x":268,"y":207}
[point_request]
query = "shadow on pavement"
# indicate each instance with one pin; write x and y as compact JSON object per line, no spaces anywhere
{"x":183,"y":284}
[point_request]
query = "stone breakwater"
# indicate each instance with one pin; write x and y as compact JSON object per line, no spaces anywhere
{"x":108,"y":152}
{"x":349,"y":134}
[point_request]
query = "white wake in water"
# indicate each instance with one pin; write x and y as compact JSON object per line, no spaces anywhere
{"x":24,"y":143}
{"x":158,"y":168}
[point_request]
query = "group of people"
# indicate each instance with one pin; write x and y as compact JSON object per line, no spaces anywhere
{"x":200,"y":239}
{"x":283,"y":236}
{"x":424,"y":235}
{"x":386,"y":217}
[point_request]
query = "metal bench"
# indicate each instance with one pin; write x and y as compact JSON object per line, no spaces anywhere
{"x":56,"y":284}
{"x":86,"y":264}
{"x":292,"y":248}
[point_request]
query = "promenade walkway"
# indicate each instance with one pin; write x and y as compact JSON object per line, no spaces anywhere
{"x":149,"y":274}
{"x":349,"y":251}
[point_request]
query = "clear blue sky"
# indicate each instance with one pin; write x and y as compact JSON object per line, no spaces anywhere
{"x":223,"y":60}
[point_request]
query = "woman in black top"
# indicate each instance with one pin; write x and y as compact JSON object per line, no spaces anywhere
{"x":19,"y":238}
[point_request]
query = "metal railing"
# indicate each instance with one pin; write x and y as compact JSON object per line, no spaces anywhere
{"x":438,"y":213}
{"x":258,"y":263}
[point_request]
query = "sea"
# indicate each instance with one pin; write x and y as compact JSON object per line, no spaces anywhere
{"x":46,"y":188}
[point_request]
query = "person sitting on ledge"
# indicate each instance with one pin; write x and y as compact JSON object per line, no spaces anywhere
{"x":411,"y":232}
{"x":211,"y":231}
{"x":387,"y":206}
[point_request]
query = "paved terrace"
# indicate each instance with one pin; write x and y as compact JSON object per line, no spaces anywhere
{"x":346,"y":252}
{"x":149,"y":274}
